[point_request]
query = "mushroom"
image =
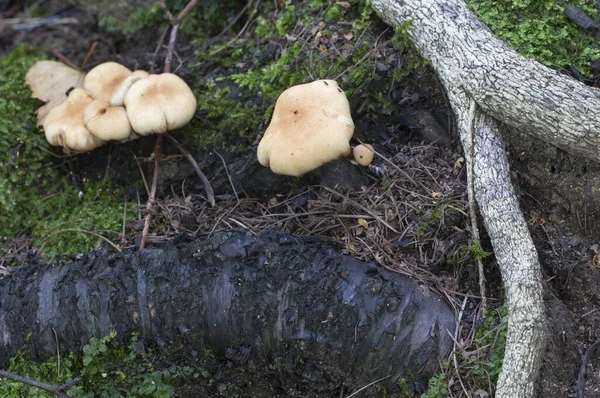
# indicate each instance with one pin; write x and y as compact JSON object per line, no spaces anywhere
{"x":64,"y":124}
{"x":311,"y":125}
{"x":110,"y":81}
{"x":363,"y":154}
{"x":159,"y":103}
{"x":107,"y":122}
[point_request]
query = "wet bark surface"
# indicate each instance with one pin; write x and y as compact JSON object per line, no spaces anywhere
{"x":252,"y":298}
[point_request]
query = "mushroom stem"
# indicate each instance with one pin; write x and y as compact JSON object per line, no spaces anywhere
{"x":159,"y":137}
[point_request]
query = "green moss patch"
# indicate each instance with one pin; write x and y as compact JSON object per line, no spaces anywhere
{"x":540,"y":30}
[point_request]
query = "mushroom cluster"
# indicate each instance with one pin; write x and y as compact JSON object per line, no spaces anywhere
{"x":311,"y":125}
{"x":116,"y":104}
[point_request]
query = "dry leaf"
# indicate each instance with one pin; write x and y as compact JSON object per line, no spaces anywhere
{"x":363,"y":223}
{"x":344,"y":4}
{"x":436,"y":194}
{"x":459,"y":162}
{"x":50,"y":81}
{"x":352,"y":247}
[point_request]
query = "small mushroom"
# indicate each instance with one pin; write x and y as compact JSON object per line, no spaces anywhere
{"x":311,"y":125}
{"x":107,"y":122}
{"x":363,"y":154}
{"x":64,"y":124}
{"x":110,"y":81}
{"x":159,"y":103}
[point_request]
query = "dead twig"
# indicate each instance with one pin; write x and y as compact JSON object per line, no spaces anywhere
{"x":368,"y":385}
{"x":59,"y":391}
{"x":355,"y":203}
{"x":241,"y":32}
{"x":57,"y":353}
{"x":159,"y":139}
{"x":581,"y":377}
{"x":158,"y":46}
{"x":472,"y":207}
{"x":210,"y":194}
{"x":454,"y":338}
{"x":88,"y":55}
{"x":64,"y":59}
{"x":31,"y":24}
{"x":83,"y":231}
{"x":150,"y":203}
{"x":228,"y":175}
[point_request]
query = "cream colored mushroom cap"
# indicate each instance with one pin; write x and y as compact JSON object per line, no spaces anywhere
{"x":363,"y":154}
{"x":110,"y":81}
{"x":118,"y":97}
{"x":107,"y":122}
{"x":311,"y":125}
{"x":64,"y":124}
{"x":159,"y":103}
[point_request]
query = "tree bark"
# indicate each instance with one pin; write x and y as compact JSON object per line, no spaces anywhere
{"x":481,"y":73}
{"x":260,"y":299}
{"x":506,"y":86}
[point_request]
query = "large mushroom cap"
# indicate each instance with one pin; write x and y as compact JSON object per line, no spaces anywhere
{"x":110,"y":82}
{"x":107,"y":122}
{"x":64,"y":124}
{"x":311,"y":126}
{"x":159,"y":103}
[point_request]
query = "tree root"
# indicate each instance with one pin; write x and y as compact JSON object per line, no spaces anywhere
{"x":486,"y":82}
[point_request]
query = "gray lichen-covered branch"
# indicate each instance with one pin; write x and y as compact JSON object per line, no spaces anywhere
{"x":508,"y":87}
{"x":478,"y":69}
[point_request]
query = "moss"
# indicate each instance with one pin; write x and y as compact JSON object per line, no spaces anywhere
{"x":477,"y":251}
{"x":540,"y":30}
{"x":237,"y":108}
{"x":107,"y":369}
{"x":35,"y":198}
{"x":77,"y":223}
{"x":491,"y":339}
{"x":430,"y":221}
{"x":206,"y":19}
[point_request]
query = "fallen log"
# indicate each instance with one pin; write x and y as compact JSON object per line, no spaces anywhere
{"x":266,"y":298}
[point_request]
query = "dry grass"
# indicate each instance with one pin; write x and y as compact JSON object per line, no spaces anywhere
{"x":413,"y":220}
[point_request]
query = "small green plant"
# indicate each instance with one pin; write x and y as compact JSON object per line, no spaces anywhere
{"x":436,"y":387}
{"x":490,"y":340}
{"x":287,"y":19}
{"x":477,"y":251}
{"x":106,"y":370}
{"x":381,"y":391}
